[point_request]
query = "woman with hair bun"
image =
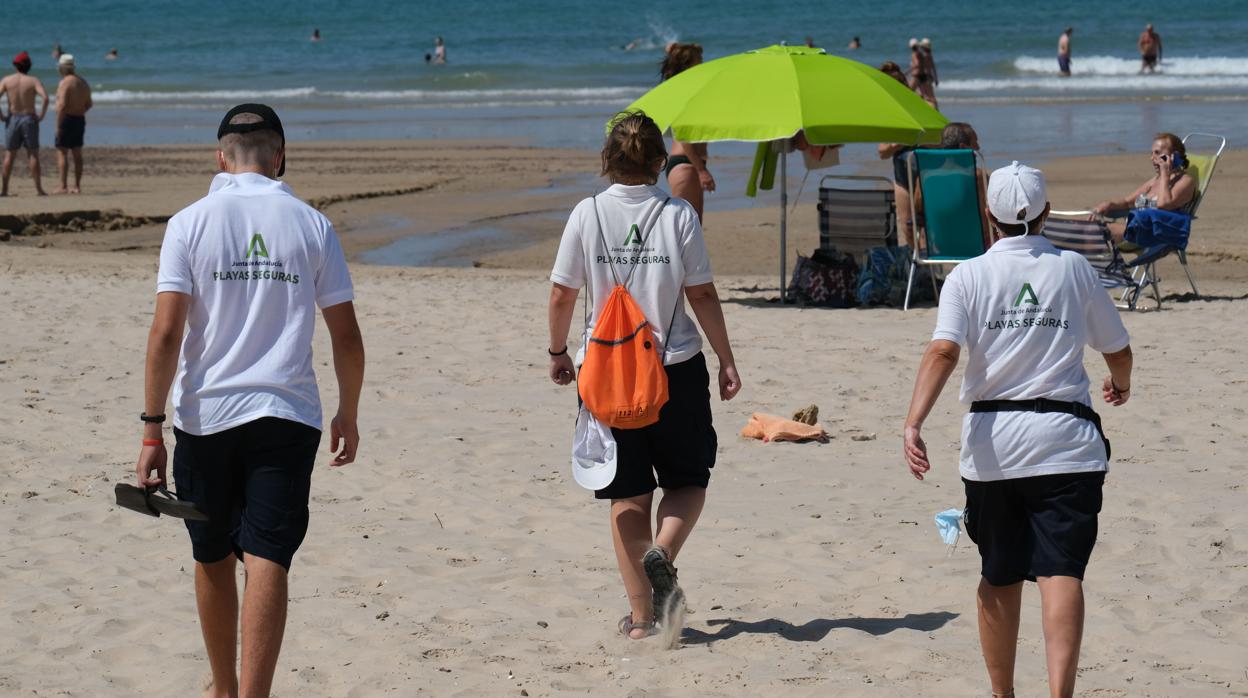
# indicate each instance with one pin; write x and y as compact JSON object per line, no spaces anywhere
{"x":651,"y":243}
{"x":687,"y":175}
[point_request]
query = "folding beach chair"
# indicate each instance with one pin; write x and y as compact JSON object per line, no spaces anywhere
{"x":1081,"y":232}
{"x":1201,"y":166}
{"x":856,"y":213}
{"x":1143,"y":267}
{"x":950,"y":230}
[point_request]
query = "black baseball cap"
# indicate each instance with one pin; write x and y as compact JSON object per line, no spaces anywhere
{"x":268,"y":121}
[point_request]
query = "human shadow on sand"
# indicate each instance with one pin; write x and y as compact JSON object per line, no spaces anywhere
{"x":816,"y":630}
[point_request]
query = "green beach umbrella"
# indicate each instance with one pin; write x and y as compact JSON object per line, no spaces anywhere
{"x":773,"y":93}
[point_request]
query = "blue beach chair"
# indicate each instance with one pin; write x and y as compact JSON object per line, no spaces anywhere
{"x":950,"y":230}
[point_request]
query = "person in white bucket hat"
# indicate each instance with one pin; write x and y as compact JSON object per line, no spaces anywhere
{"x":1034,"y":456}
{"x":73,"y":100}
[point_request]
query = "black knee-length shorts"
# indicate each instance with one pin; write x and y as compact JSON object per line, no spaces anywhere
{"x":253,"y":481}
{"x":678,"y":450}
{"x":1030,"y":527}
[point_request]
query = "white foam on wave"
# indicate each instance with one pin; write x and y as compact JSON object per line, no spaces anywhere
{"x":144,"y":96}
{"x":552,"y":93}
{"x":1106,"y":83}
{"x":484,"y":97}
{"x":1194,"y":66}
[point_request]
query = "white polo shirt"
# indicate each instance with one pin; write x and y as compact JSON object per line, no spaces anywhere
{"x":256,"y":262}
{"x":672,"y":256}
{"x":1023,"y":311}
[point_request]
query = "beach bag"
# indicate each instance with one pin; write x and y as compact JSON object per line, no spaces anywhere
{"x":884,"y":274}
{"x":875,"y":282}
{"x":825,"y":279}
{"x":921,"y":291}
{"x":622,"y":381}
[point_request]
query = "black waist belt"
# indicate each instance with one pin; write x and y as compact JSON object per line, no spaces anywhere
{"x":1041,"y":404}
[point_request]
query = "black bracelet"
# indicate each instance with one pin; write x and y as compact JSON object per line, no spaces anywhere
{"x":1118,"y":390}
{"x":563,"y":352}
{"x":152,"y":418}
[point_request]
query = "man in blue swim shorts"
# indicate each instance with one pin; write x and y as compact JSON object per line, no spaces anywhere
{"x":21,"y":123}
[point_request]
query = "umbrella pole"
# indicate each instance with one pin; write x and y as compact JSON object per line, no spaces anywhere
{"x":784,"y":218}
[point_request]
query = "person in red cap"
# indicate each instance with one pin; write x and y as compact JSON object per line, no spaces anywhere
{"x":21,"y":122}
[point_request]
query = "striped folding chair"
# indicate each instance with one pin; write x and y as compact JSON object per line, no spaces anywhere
{"x":856,"y":213}
{"x":1082,"y":232}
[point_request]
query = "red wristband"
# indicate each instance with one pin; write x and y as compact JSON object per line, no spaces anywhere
{"x":153,"y":442}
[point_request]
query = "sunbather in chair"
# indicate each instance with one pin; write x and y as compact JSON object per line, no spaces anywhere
{"x":1164,"y":207}
{"x":1157,"y":212}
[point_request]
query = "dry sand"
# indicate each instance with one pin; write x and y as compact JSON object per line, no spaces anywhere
{"x":459,"y":558}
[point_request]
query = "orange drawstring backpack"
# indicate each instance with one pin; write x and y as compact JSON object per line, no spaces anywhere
{"x":622,"y":380}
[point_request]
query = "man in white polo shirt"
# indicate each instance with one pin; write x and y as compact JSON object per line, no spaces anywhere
{"x":1033,"y":454}
{"x":242,"y":272}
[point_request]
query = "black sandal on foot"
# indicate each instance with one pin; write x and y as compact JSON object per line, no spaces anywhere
{"x":662,"y":576}
{"x":627,"y":626}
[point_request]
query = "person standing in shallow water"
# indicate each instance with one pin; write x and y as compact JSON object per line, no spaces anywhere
{"x":1063,"y":52}
{"x":687,"y":173}
{"x":1149,"y":44}
{"x":921,"y":78}
{"x":680,"y":448}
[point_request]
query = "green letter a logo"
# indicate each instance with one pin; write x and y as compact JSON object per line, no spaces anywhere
{"x":634,"y":236}
{"x":257,"y":247}
{"x":1026,"y":292}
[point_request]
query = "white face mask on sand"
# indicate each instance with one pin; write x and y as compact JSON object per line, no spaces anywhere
{"x":949,"y":524}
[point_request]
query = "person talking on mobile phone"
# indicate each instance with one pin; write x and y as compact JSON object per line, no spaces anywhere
{"x":1157,"y":211}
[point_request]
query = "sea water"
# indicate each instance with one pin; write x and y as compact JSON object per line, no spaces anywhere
{"x":551,"y":72}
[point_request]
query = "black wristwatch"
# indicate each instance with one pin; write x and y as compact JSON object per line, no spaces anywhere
{"x":152,"y":418}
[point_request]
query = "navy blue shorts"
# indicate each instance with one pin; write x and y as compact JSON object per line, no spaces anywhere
{"x":70,"y":132}
{"x":253,"y":482}
{"x":1030,"y":527}
{"x":679,"y":448}
{"x":901,"y":172}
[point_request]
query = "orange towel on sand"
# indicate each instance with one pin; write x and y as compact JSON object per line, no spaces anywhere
{"x":769,"y":427}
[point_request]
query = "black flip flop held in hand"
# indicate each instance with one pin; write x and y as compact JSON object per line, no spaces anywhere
{"x":154,"y":501}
